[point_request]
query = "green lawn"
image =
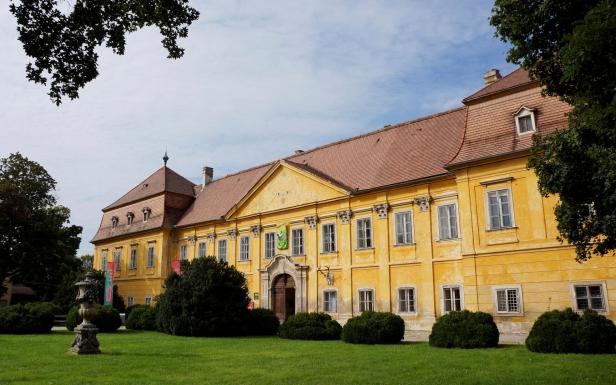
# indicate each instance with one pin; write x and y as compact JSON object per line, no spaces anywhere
{"x":152,"y":358}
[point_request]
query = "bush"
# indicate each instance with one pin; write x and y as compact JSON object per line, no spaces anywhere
{"x":107,"y":319}
{"x":565,"y":331}
{"x":374,"y":328}
{"x":33,"y":318}
{"x":141,"y":317}
{"x":209,"y":298}
{"x":554,"y":332}
{"x":464,"y":329}
{"x":262,"y":322}
{"x":310,"y":326}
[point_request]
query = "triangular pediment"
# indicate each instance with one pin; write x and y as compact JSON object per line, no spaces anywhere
{"x":286,"y":186}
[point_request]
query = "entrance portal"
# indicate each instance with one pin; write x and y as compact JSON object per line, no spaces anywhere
{"x":283,"y":296}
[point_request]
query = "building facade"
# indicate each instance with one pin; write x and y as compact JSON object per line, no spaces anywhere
{"x":420,"y":218}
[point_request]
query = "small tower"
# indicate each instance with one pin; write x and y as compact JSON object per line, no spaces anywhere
{"x":165,"y":158}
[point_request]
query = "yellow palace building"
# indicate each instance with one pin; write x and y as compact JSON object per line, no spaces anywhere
{"x":419,"y":218}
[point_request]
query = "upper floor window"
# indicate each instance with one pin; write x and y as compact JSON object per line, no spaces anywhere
{"x":366,"y":300}
{"x":244,"y":248}
{"x":328,"y":236}
{"x":364,"y":233}
{"x":146,"y":213}
{"x":151,"y":254}
{"x":525,"y":120}
{"x":117,"y":258}
{"x":222,"y":250}
{"x":447,"y":222}
{"x":297,"y":241}
{"x":404,"y":228}
{"x":103,"y":260}
{"x":114,"y":222}
{"x":148,"y":301}
{"x":270,"y":245}
{"x":183,"y":252}
{"x":130,"y":301}
{"x":452,"y":298}
{"x":508,"y":300}
{"x":406,"y":300}
{"x":133,"y":257}
{"x":499,"y":209}
{"x":129,"y":218}
{"x":589,"y":297}
{"x":202,"y":249}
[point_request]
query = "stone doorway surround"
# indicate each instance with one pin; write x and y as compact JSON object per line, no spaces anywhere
{"x":282,"y":264}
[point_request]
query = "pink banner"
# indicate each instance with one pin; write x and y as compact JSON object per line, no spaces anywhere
{"x":175,"y":265}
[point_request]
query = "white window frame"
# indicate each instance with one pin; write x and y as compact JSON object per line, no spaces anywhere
{"x":500,"y":208}
{"x":415,"y":299}
{"x":586,"y":284}
{"x":130,"y":300}
{"x":359,"y":300}
{"x":104,"y":259}
{"x":266,"y":250}
{"x":301,"y":250}
{"x":411,"y":235}
{"x":325,"y":309}
{"x":523,"y":112}
{"x":244,"y":253}
{"x":449,"y":287}
{"x":117,"y":258}
{"x":147,"y":300}
{"x":183,"y":252}
{"x":222,"y":257}
{"x":202,"y":249}
{"x":495,"y":290}
{"x":438,"y":222}
{"x":147,"y":212}
{"x":368,"y":232}
{"x":335,"y":240}
{"x":114,"y":222}
{"x":130,"y":217}
{"x":133,"y":258}
{"x":151,"y":256}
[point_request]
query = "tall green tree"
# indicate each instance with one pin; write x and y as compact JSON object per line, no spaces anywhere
{"x":569,"y":46}
{"x":63,"y":42}
{"x":37,"y":242}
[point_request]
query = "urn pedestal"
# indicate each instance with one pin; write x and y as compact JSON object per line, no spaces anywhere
{"x":85,"y":333}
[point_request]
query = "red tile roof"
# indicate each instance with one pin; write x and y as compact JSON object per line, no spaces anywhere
{"x":516,"y":78}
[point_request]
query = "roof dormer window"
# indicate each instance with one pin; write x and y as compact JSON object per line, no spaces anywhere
{"x":114,"y":222}
{"x":130,"y":217}
{"x":146,"y":213}
{"x":525,"y":120}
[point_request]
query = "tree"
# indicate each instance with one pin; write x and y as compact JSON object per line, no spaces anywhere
{"x":570,"y":48}
{"x":209,"y":298}
{"x":63,"y":44}
{"x":37,"y":244}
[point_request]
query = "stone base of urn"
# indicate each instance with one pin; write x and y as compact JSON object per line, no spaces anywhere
{"x":85,"y":340}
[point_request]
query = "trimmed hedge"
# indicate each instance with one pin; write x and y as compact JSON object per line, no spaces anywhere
{"x":464,"y":329}
{"x":107,"y":319}
{"x":141,"y":317}
{"x":374,"y":328}
{"x":564,"y":331}
{"x":262,"y":322}
{"x":310,"y":326}
{"x":32,"y":318}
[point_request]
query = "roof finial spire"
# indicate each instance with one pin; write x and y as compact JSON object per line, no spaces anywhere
{"x":165,"y":157}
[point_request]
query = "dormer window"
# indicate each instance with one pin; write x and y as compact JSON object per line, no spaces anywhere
{"x":146,"y":213}
{"x":130,"y":217}
{"x":114,"y":222}
{"x":525,"y":120}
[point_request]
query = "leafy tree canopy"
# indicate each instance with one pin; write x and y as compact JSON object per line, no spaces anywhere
{"x":569,"y":46}
{"x":37,"y":244}
{"x":63,"y":44}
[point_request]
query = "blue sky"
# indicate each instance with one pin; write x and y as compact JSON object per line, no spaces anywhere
{"x":259,"y":80}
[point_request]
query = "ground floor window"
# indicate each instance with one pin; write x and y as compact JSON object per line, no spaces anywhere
{"x":222,"y":250}
{"x":330,"y":301}
{"x":130,"y":301}
{"x":589,"y":297}
{"x":366,"y":300}
{"x":406,"y":300}
{"x":508,"y":300}
{"x":452,"y":298}
{"x":148,"y":301}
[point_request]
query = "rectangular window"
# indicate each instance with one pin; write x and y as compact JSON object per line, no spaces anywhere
{"x":508,"y":300}
{"x":525,"y":124}
{"x":130,"y":301}
{"x":117,"y":257}
{"x":447,"y":222}
{"x":183,"y":252}
{"x":297,"y":241}
{"x":150,"y":255}
{"x":406,"y":300}
{"x":499,"y":209}
{"x":589,"y":297}
{"x":244,"y":248}
{"x":148,"y":301}
{"x":222,"y":250}
{"x":328,"y":236}
{"x":366,"y":300}
{"x":270,"y":245}
{"x":403,"y":227}
{"x":133,"y":257}
{"x":330,"y":301}
{"x":364,"y":233}
{"x":202,"y":249}
{"x":104,"y":260}
{"x":452,"y":299}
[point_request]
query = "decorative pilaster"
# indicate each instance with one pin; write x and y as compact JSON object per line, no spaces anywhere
{"x":256,"y":230}
{"x":210,"y":237}
{"x":345,"y":216}
{"x":382,"y":210}
{"x":191,"y":239}
{"x":232,"y":233}
{"x":423,"y":202}
{"x":312,"y":221}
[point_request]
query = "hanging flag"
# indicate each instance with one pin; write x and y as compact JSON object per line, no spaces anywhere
{"x":109,"y":282}
{"x":175,"y":265}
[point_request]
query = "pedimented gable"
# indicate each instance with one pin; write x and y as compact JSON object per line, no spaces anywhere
{"x":286,"y":186}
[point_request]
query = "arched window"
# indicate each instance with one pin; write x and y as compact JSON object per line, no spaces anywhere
{"x":525,"y":120}
{"x":114,"y":222}
{"x":130,"y":217}
{"x":146,"y":213}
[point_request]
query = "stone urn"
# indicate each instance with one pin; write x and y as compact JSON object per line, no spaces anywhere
{"x":85,"y":333}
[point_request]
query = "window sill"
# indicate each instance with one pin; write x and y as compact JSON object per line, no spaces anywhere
{"x":298,"y":255}
{"x":408,"y":313}
{"x":448,"y":240}
{"x":502,"y":229}
{"x":328,"y":253}
{"x":412,"y":244}
{"x":509,"y":314}
{"x":364,"y":248}
{"x":244,"y":260}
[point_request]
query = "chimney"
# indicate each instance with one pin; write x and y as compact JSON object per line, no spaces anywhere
{"x":297,"y":152}
{"x":208,"y":175}
{"x":491,"y":76}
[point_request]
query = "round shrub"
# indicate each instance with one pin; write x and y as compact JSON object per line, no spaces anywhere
{"x":595,"y":334}
{"x":107,"y":319}
{"x":464,"y":329}
{"x":374,"y":328}
{"x":262,"y":322}
{"x":554,"y":332}
{"x":310,"y":326}
{"x":141,"y":317}
{"x":33,"y":318}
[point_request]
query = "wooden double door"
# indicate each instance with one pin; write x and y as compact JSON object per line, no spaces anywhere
{"x":283,"y":296}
